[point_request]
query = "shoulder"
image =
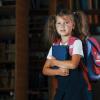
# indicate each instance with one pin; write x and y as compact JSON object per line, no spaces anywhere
{"x":78,"y":41}
{"x":74,"y":40}
{"x":78,"y":47}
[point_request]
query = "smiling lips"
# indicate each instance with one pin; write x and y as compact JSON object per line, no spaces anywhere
{"x":62,"y":30}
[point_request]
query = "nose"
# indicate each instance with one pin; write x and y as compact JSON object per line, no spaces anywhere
{"x":62,"y":25}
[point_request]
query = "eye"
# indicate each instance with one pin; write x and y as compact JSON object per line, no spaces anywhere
{"x":58,"y":23}
{"x":66,"y":22}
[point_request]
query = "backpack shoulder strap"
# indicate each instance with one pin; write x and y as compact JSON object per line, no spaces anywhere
{"x":94,"y":43}
{"x":71,"y":40}
{"x":70,"y":43}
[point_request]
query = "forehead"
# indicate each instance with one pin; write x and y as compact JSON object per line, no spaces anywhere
{"x":65,"y":17}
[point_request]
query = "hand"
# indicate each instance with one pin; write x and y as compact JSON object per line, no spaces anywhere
{"x":63,"y":71}
{"x":51,"y":60}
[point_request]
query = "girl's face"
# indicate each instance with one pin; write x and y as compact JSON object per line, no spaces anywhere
{"x":64,"y":25}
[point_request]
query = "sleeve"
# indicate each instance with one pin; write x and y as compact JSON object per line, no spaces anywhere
{"x":49,"y":53}
{"x":78,"y":48}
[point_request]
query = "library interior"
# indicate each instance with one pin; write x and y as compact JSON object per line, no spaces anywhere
{"x":22,"y":48}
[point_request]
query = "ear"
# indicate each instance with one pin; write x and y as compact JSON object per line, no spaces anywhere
{"x":73,"y":26}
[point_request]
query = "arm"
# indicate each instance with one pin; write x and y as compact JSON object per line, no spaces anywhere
{"x":69,"y":64}
{"x":75,"y":59}
{"x":47,"y":70}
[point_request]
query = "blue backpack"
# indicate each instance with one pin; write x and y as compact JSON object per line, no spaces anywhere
{"x":92,"y":58}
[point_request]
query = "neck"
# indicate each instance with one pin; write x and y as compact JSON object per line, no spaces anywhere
{"x":65,"y":38}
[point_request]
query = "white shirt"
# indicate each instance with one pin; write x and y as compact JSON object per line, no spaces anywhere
{"x":77,"y":49}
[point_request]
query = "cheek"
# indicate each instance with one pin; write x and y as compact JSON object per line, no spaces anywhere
{"x":57,"y":29}
{"x":69,"y":27}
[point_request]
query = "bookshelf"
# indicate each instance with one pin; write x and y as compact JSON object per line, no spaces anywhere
{"x":7,"y":50}
{"x":37,"y":83}
{"x":13,"y":49}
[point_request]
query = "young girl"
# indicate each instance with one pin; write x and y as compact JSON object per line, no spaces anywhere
{"x":71,"y":83}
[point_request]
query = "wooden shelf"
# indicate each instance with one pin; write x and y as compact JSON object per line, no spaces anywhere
{"x":7,"y":34}
{"x":7,"y":25}
{"x":92,"y":11}
{"x":6,"y":89}
{"x":37,"y":51}
{"x":37,"y":92}
{"x":39,"y":12}
{"x":7,"y":10}
{"x":7,"y":7}
{"x":7,"y":62}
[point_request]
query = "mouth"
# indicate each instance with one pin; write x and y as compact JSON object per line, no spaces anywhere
{"x":62,"y":30}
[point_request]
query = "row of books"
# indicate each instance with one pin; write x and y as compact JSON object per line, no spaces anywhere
{"x":94,"y":19}
{"x":4,"y":21}
{"x":40,"y":55}
{"x":7,"y":52}
{"x":7,"y":2}
{"x":89,"y":6}
{"x":7,"y":97}
{"x":39,"y":96}
{"x":37,"y":81}
{"x":95,"y":30}
{"x":7,"y":78}
{"x":83,"y":4}
{"x":39,"y":3}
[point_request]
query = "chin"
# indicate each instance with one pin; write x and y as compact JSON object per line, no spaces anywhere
{"x":64,"y":34}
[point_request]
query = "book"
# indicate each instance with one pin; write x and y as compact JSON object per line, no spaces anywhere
{"x":60,"y":52}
